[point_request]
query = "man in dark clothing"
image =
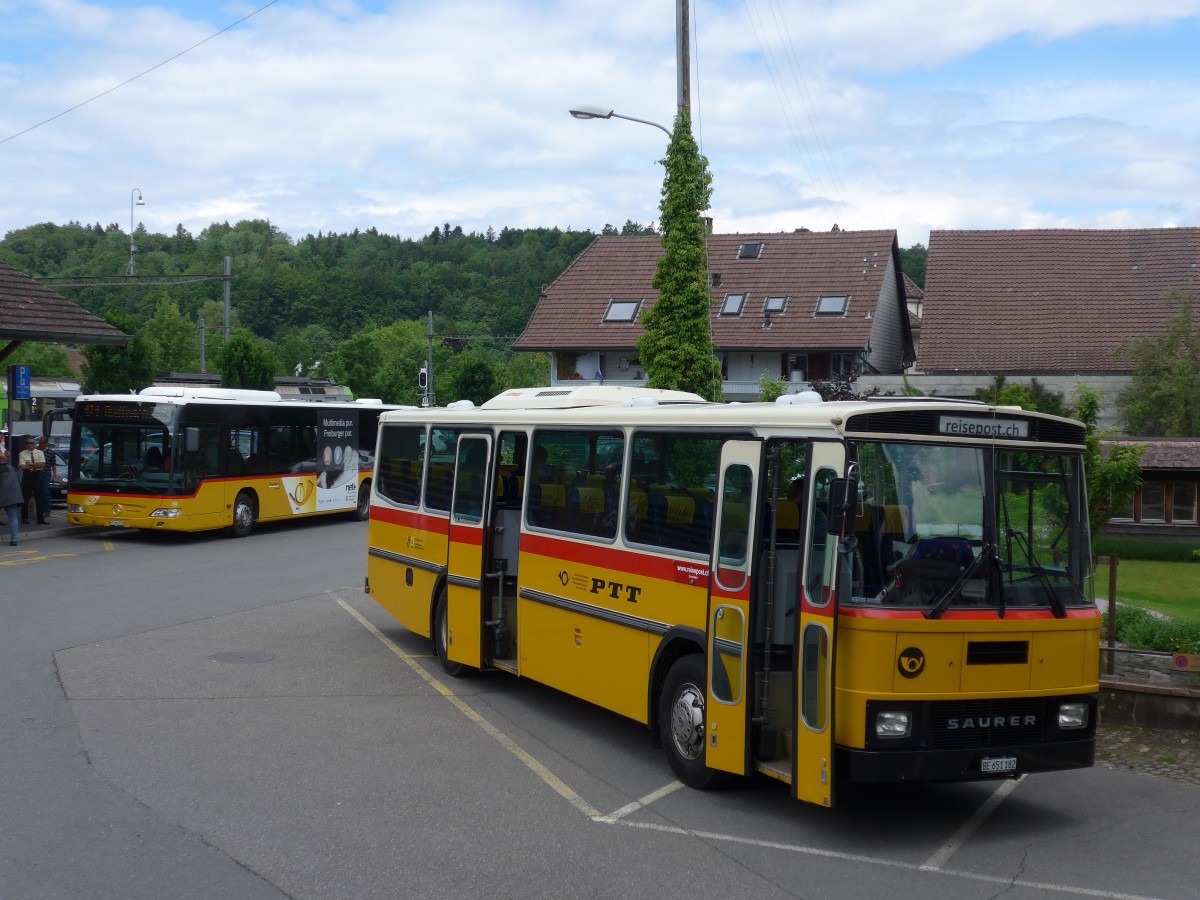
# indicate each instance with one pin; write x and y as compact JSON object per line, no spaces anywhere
{"x":32,"y":463}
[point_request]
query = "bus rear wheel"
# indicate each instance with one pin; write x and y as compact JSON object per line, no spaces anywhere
{"x":363,"y":512}
{"x":441,"y":637}
{"x":245,"y":511}
{"x":682,"y":722}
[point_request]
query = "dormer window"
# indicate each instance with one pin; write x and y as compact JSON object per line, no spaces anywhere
{"x":750,"y":250}
{"x":622,"y":310}
{"x":733,"y":304}
{"x":833,"y":305}
{"x":773,"y":305}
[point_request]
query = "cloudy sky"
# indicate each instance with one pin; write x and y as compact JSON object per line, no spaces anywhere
{"x":331,"y":115}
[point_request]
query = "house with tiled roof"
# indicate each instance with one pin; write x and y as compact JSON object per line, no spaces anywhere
{"x":798,"y":306}
{"x":1052,"y":304}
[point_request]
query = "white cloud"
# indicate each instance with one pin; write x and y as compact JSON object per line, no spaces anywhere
{"x":326,"y":116}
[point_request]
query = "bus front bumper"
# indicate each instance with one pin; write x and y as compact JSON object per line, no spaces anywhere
{"x":962,"y":764}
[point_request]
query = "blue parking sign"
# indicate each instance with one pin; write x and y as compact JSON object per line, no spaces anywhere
{"x":21,"y":383}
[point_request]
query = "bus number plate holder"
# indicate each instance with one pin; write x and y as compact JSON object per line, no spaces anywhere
{"x":116,"y":523}
{"x":998,"y":764}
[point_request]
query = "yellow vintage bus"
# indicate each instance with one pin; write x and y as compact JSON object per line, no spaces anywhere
{"x":890,"y":590}
{"x":199,"y":458}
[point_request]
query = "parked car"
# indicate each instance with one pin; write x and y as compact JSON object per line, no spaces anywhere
{"x":58,"y":479}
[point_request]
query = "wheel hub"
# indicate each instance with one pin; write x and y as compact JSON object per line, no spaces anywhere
{"x":687,"y":721}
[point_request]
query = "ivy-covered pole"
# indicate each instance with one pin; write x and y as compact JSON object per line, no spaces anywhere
{"x":676,"y":348}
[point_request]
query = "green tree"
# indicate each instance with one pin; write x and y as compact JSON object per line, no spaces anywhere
{"x":472,"y":377}
{"x":173,"y":339}
{"x":246,"y":363}
{"x":677,"y":348}
{"x":1161,"y":399}
{"x":1112,"y":477}
{"x":44,"y":360}
{"x":913,"y":260}
{"x":118,"y":370}
{"x":770,"y":389}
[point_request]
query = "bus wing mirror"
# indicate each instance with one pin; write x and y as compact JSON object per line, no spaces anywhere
{"x":843,"y":506}
{"x":191,"y":440}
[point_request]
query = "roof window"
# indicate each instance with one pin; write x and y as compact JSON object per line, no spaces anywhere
{"x":833,"y":305}
{"x":622,"y":310}
{"x":733,"y":304}
{"x":750,"y":250}
{"x":774,"y":305}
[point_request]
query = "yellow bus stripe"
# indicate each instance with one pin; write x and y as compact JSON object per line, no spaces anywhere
{"x":552,"y":780}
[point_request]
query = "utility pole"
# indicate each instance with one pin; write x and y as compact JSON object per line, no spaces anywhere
{"x":228,"y":272}
{"x":683,"y":53}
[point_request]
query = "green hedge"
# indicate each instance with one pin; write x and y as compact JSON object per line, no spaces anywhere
{"x":1158,"y":550}
{"x":1139,"y":630}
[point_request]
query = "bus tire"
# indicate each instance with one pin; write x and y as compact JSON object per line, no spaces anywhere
{"x":245,"y":511}
{"x":682,"y":722}
{"x":441,"y":636}
{"x":363,"y":512}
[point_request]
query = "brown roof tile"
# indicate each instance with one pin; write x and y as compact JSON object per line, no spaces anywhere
{"x":30,"y":311}
{"x":1049,"y":300}
{"x":799,"y":265}
{"x":1164,"y":453}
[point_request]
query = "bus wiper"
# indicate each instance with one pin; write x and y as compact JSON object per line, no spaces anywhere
{"x":942,"y":603}
{"x":1056,"y":604}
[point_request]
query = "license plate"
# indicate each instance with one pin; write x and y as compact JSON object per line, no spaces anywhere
{"x":998,"y":764}
{"x":116,"y":523}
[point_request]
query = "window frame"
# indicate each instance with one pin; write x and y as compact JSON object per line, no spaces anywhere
{"x":617,"y":303}
{"x":824,"y":301}
{"x":728,"y":307}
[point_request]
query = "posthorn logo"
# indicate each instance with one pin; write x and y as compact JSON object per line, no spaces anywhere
{"x":911,"y":662}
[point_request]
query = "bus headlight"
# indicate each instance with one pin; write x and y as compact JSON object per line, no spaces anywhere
{"x":166,"y":513}
{"x":75,"y":508}
{"x":1072,"y":715}
{"x":893,"y":723}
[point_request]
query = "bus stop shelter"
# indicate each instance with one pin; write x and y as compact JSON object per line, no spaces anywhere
{"x":30,"y":311}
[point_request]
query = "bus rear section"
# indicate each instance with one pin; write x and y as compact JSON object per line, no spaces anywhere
{"x":812,"y":596}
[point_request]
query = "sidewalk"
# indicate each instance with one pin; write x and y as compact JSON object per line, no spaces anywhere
{"x":57,"y":526}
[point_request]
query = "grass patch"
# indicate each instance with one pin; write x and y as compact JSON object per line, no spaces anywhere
{"x":1170,"y":588}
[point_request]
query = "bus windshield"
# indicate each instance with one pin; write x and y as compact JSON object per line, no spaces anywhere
{"x":126,"y":452}
{"x":952,"y":526}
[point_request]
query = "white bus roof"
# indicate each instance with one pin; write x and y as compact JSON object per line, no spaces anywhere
{"x":562,"y":397}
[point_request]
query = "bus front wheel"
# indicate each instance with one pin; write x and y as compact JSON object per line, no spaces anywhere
{"x":441,"y":637}
{"x":682,"y":721}
{"x":244,"y":513}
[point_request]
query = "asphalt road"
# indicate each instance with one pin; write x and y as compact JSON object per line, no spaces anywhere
{"x":208,"y":717}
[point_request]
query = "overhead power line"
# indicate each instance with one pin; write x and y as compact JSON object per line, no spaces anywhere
{"x":139,"y":75}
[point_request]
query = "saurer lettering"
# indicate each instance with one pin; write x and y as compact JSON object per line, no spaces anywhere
{"x":990,"y":722}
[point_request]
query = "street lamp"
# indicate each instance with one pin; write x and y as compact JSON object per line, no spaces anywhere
{"x":136,"y":192}
{"x":600,"y":112}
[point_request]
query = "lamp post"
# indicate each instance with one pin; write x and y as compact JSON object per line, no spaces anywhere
{"x":600,"y":112}
{"x":136,"y":192}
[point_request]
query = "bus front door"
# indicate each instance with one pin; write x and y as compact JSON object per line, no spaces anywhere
{"x":469,"y":515}
{"x":729,"y":607}
{"x":814,"y":744}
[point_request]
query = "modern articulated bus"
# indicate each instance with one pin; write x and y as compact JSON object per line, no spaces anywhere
{"x":194,"y":459}
{"x":891,"y":590}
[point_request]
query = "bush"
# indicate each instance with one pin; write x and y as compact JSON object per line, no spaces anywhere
{"x":1158,"y":550}
{"x":1139,"y":630}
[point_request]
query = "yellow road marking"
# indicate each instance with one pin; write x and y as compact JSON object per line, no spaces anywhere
{"x":24,"y":556}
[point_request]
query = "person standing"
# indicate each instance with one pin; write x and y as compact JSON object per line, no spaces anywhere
{"x":43,"y":444}
{"x":32,"y":462}
{"x":10,"y":496}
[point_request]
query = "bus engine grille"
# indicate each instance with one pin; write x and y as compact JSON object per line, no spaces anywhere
{"x":988,"y":723}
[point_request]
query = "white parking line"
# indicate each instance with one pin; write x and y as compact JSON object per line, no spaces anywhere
{"x":932,"y":866}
